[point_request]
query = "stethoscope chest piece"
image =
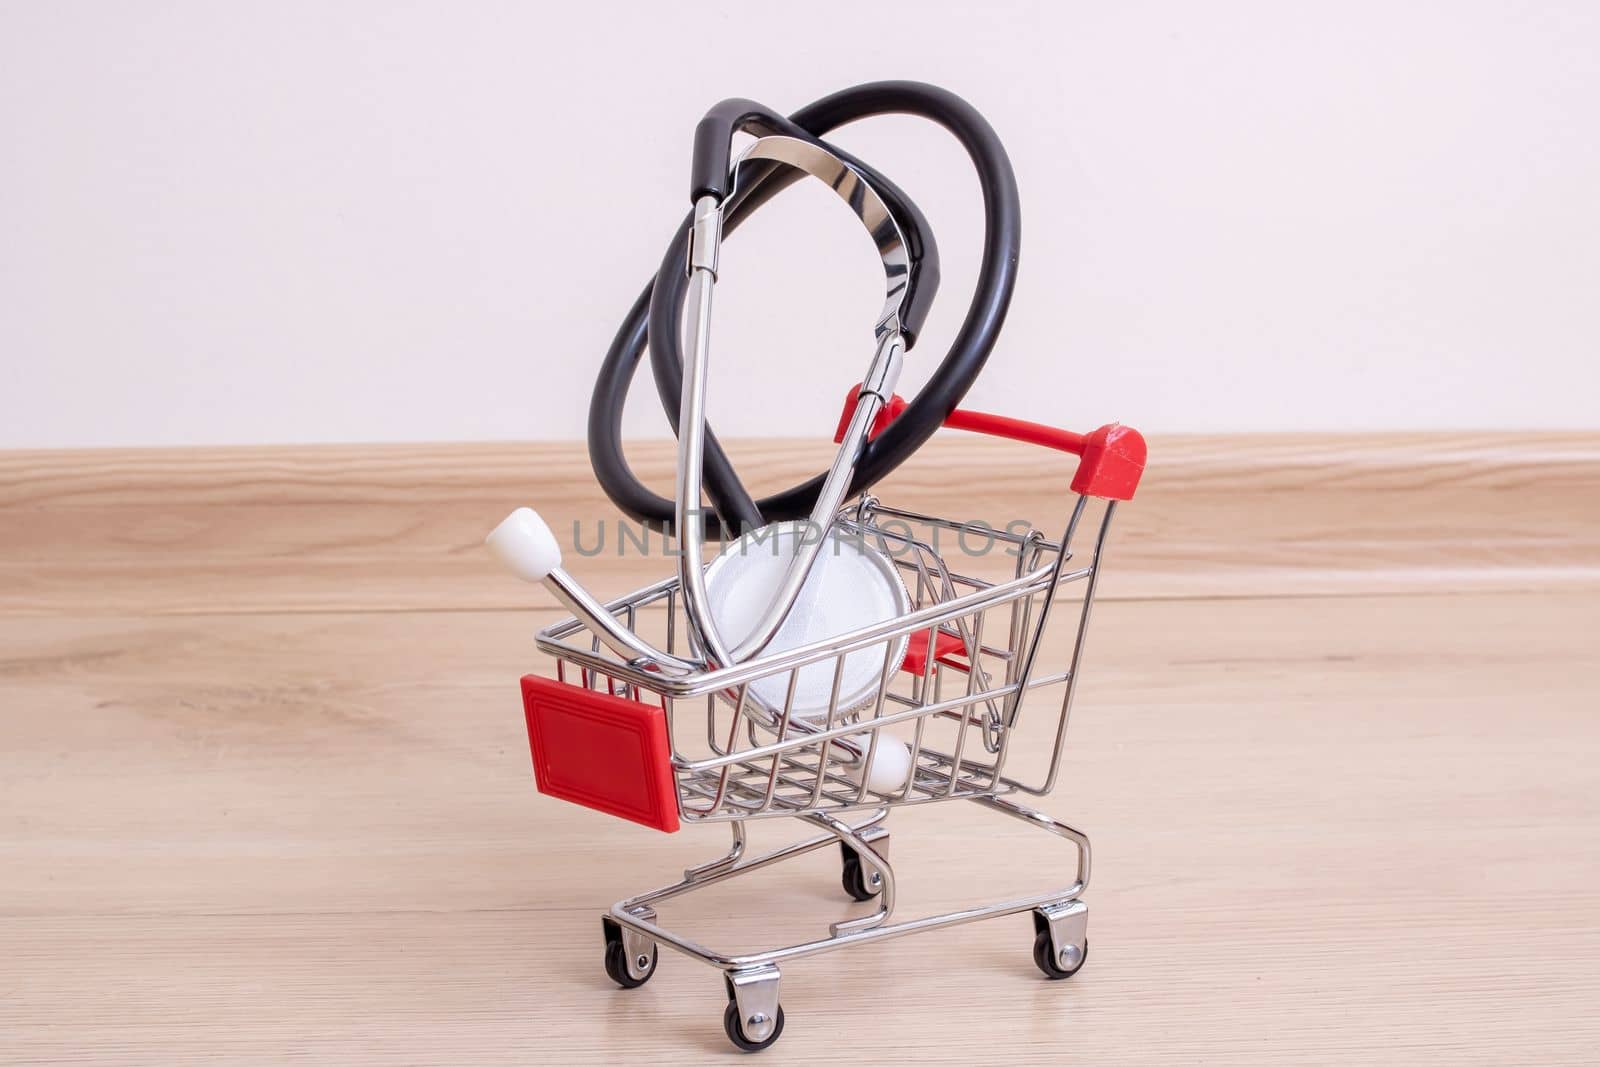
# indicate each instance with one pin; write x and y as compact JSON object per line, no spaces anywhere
{"x":851,"y":585}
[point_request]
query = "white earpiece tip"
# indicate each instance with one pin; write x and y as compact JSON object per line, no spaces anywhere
{"x":524,"y":543}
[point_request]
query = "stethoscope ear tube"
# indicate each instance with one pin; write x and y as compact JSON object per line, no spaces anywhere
{"x":810,"y":157}
{"x":656,"y":313}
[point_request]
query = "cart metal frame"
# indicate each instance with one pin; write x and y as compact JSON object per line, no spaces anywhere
{"x":750,"y":761}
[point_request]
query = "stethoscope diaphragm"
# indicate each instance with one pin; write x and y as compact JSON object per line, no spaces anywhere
{"x":851,"y":585}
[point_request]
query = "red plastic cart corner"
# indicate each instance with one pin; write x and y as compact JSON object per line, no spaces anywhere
{"x":1110,"y":460}
{"x":601,"y":751}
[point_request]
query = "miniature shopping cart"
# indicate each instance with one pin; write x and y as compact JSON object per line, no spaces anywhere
{"x":738,"y":691}
{"x":976,"y":685}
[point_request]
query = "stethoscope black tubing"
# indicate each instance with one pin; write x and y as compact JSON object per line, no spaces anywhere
{"x":655,"y":315}
{"x":758,"y":184}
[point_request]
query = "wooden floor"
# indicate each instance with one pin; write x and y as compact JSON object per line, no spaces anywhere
{"x":265,"y":792}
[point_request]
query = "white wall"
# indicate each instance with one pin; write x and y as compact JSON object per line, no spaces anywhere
{"x":276,"y":222}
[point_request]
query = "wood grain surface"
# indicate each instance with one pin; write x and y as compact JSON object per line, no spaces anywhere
{"x":399,"y":527}
{"x":265,"y":794}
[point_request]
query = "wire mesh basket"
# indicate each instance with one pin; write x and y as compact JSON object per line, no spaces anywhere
{"x":956,"y":675}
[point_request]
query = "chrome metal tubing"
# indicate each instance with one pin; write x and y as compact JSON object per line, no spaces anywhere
{"x":1077,"y":653}
{"x":600,"y":618}
{"x":862,"y":200}
{"x":879,"y":382}
{"x":690,"y":517}
{"x":730,"y":677}
{"x":1044,"y":609}
{"x":829,"y":498}
{"x":638,"y":913}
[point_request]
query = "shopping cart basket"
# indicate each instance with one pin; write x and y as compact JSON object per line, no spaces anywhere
{"x":624,"y":738}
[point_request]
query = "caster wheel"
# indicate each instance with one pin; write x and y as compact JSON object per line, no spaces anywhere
{"x":1044,"y":955}
{"x":858,"y":881}
{"x":617,"y":960}
{"x":735,"y":1027}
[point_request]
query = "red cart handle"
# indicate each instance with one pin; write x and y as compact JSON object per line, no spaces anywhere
{"x":1111,"y":459}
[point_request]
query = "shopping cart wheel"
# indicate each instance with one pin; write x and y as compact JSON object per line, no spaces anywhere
{"x":753,"y":1017}
{"x":858,"y":881}
{"x":735,"y":1027}
{"x":1060,"y":938}
{"x":630,"y":958}
{"x":1049,"y":961}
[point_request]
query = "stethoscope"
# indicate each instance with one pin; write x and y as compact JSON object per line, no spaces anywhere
{"x":655,"y":315}
{"x":730,"y":624}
